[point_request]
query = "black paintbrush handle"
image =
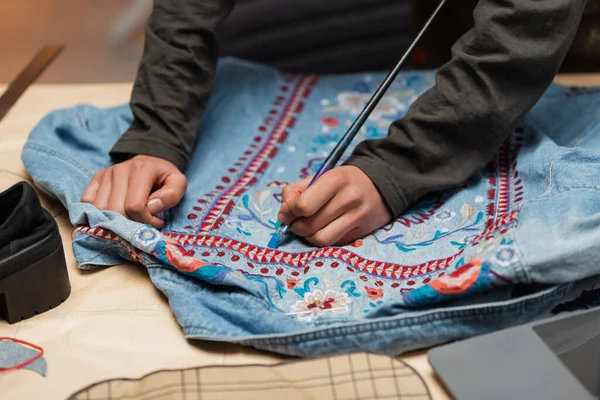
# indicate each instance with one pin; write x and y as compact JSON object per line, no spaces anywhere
{"x":345,"y":141}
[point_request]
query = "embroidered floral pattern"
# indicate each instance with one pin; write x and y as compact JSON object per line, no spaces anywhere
{"x":374,"y":293}
{"x":180,"y":258}
{"x":443,"y":227}
{"x":291,"y":283}
{"x":505,"y":255}
{"x":148,"y":237}
{"x":458,"y":281}
{"x":316,"y":304}
{"x":253,"y":211}
{"x":331,"y":122}
{"x":500,"y":250}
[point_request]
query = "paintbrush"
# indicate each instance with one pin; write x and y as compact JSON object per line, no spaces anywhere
{"x":339,"y":149}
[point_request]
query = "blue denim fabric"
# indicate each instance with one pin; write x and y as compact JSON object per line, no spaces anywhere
{"x":498,"y":251}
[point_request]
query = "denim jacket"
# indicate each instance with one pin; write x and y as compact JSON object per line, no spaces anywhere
{"x":500,"y":250}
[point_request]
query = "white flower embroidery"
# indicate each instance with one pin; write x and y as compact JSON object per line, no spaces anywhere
{"x":316,"y":303}
{"x":147,"y":237}
{"x":324,"y":102}
{"x":355,"y":102}
{"x":445,"y":215}
{"x":479,"y":199}
{"x":505,"y":256}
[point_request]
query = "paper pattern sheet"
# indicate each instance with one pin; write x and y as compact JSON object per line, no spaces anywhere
{"x":358,"y":376}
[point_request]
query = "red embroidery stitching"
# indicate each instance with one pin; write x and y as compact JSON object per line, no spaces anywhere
{"x":221,"y":201}
{"x":101,"y":233}
{"x":499,"y":219}
{"x":421,"y":217}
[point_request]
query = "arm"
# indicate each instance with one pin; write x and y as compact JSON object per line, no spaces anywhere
{"x":498,"y":71}
{"x":170,"y":94}
{"x":174,"y":80}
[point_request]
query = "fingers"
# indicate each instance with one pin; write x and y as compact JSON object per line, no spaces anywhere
{"x":169,"y":194}
{"x":351,"y":236}
{"x":295,"y":189}
{"x":310,"y":200}
{"x":90,"y":192}
{"x":290,"y":193}
{"x":305,"y":227}
{"x":141,"y":181}
{"x":357,"y":233}
{"x":334,"y":231}
{"x":126,"y":188}
{"x":342,"y":231}
{"x":342,"y":206}
{"x":103,"y":194}
{"x":119,"y":186}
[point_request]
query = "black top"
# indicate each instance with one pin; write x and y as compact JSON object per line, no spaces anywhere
{"x":498,"y":71}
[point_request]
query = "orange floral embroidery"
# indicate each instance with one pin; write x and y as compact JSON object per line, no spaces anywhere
{"x":374,"y":293}
{"x":291,"y":283}
{"x":330,"y":121}
{"x":181,"y":259}
{"x":460,"y":280}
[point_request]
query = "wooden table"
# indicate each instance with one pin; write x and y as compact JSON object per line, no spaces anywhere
{"x":115,"y":324}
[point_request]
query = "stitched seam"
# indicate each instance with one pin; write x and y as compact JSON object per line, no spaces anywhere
{"x":550,"y":173}
{"x":520,"y":266}
{"x":522,"y":258}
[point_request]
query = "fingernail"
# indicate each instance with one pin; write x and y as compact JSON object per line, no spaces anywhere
{"x":155,"y":206}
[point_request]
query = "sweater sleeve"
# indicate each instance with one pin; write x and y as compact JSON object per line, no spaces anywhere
{"x":174,"y":79}
{"x":498,"y":71}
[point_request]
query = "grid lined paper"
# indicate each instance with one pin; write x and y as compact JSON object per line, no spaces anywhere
{"x":360,"y":376}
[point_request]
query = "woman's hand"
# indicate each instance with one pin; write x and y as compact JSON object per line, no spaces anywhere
{"x":341,"y":206}
{"x":138,"y":188}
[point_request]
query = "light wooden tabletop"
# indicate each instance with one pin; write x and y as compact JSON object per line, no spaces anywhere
{"x":579,"y":79}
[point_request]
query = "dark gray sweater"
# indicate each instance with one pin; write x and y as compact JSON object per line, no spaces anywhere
{"x":498,"y":71}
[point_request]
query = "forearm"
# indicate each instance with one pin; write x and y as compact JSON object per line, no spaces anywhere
{"x":497,"y":72}
{"x":174,"y":79}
